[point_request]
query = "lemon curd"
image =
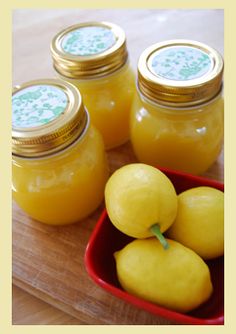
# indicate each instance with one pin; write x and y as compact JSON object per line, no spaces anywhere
{"x":93,"y":56}
{"x":59,"y":165}
{"x":177,"y":114}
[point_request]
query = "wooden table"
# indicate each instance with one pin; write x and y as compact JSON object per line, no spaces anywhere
{"x":32,"y":33}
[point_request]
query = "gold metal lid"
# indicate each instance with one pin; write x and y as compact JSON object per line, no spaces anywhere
{"x":89,"y":50}
{"x":47,"y":116}
{"x":180,"y":73}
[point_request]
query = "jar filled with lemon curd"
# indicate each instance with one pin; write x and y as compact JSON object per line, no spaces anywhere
{"x":59,"y":166}
{"x":94,"y":57}
{"x":177,"y":115}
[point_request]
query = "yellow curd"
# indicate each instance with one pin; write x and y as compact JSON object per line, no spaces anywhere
{"x":183,"y":139}
{"x":59,"y":167}
{"x":93,"y":56}
{"x":177,"y":114}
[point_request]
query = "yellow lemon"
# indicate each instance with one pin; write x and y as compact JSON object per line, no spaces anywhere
{"x":176,"y":278}
{"x":140,"y":199}
{"x":199,"y":224}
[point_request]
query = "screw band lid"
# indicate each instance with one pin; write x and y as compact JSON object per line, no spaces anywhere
{"x":89,"y":50}
{"x":47,"y":116}
{"x":180,"y":72}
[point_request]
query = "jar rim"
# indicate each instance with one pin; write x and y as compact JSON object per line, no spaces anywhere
{"x":177,"y":107}
{"x":116,"y":71}
{"x":62,"y":150}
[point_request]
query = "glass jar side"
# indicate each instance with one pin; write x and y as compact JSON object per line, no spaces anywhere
{"x":108,"y":100}
{"x":186,"y":139}
{"x":65,"y":187}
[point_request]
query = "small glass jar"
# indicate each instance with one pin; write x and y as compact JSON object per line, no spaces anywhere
{"x":93,"y":56}
{"x":177,"y":115}
{"x":59,"y":165}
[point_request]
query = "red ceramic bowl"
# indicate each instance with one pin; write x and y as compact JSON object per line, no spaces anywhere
{"x":100,"y":264}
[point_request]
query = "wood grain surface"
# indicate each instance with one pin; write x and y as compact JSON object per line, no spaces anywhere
{"x":48,"y":262}
{"x":28,"y":309}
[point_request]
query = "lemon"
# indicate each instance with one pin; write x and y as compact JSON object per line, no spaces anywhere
{"x":176,"y":278}
{"x":199,"y":224}
{"x":140,"y":200}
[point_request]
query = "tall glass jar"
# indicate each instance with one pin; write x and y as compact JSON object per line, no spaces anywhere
{"x":177,"y":114}
{"x":93,"y":56}
{"x":59,"y":166}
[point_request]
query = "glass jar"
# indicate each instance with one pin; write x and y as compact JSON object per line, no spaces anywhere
{"x":177,"y":114}
{"x":93,"y":56}
{"x":59,"y":166}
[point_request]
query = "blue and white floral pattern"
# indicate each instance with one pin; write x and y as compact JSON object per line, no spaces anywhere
{"x":181,"y":63}
{"x":87,"y":41}
{"x":37,"y":105}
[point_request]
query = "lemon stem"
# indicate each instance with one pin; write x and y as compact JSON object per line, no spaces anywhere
{"x":157,"y":232}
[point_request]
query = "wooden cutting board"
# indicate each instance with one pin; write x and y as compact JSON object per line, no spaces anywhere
{"x":48,"y":262}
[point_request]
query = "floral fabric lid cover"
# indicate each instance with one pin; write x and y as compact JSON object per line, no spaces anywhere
{"x":37,"y":105}
{"x":87,"y":41}
{"x":181,"y":63}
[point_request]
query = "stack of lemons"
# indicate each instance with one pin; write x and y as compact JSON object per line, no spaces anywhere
{"x":167,"y":269}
